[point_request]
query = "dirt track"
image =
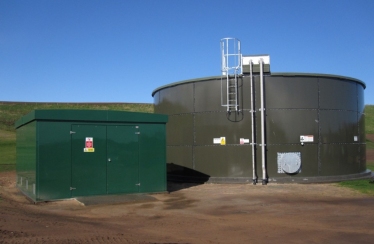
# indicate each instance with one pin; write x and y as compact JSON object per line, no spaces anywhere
{"x":291,"y":213}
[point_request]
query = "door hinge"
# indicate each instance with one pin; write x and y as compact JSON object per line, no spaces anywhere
{"x":72,"y":132}
{"x":72,"y":188}
{"x":137,"y":133}
{"x":137,"y":184}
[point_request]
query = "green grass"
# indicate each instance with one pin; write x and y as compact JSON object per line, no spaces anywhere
{"x":363,"y":186}
{"x":370,"y":166}
{"x":7,"y":149}
{"x":369,"y":119}
{"x":8,"y":152}
{"x":369,"y":144}
{"x":370,"y":163}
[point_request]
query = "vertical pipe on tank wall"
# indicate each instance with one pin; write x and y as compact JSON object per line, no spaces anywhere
{"x":254,"y":177}
{"x":226,"y":55}
{"x":263,"y":145}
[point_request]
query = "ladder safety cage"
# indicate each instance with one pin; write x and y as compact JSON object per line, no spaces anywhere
{"x":232,"y":67}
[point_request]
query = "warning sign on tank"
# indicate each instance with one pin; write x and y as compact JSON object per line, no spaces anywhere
{"x":89,"y":145}
{"x":306,"y":138}
{"x":243,"y":141}
{"x":221,"y":141}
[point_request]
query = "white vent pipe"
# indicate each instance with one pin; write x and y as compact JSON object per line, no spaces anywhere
{"x":254,"y":177}
{"x":262,"y":109}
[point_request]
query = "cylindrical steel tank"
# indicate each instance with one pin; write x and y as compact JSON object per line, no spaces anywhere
{"x":314,"y":129}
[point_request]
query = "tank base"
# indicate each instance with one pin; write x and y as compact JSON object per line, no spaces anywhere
{"x":291,"y":179}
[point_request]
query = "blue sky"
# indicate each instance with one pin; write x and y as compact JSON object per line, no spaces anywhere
{"x":120,"y":51}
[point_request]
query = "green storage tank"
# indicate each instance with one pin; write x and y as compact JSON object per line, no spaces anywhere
{"x":69,"y":153}
{"x":312,"y":122}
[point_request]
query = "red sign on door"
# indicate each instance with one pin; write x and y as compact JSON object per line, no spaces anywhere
{"x":89,"y":145}
{"x":89,"y":142}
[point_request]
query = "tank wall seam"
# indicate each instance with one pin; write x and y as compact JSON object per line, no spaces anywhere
{"x":229,"y":145}
{"x":347,"y":110}
{"x":248,"y":110}
{"x":314,"y":109}
{"x":319,"y":129}
{"x":205,"y":112}
{"x":209,"y":145}
{"x":194,"y":126}
{"x":330,"y":143}
{"x":358,"y":125}
{"x":343,"y":143}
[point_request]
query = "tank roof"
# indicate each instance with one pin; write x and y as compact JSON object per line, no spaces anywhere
{"x":272,"y":74}
{"x":319,"y":75}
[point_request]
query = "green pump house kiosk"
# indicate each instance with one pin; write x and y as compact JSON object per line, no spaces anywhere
{"x":69,"y":153}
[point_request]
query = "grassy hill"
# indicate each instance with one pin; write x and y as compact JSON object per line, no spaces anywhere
{"x":369,"y":119}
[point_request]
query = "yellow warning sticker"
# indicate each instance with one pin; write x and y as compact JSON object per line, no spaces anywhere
{"x":89,"y":150}
{"x":223,"y":141}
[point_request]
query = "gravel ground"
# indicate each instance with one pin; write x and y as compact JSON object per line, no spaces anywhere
{"x":207,"y":213}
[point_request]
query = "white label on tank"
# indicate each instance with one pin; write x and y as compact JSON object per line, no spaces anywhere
{"x":355,"y":138}
{"x":244,"y":141}
{"x":221,"y":140}
{"x":306,"y":138}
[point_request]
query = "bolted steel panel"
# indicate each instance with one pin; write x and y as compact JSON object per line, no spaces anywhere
{"x":210,"y":95}
{"x":338,"y":126}
{"x":224,"y":161}
{"x":291,"y":92}
{"x":178,"y":101}
{"x":286,"y":126}
{"x":360,"y":98}
{"x":337,"y":94}
{"x":207,"y":95}
{"x":340,"y":159}
{"x":179,"y":159}
{"x":183,"y":132}
{"x":361,"y":128}
{"x":214,"y":125}
{"x":362,"y":157}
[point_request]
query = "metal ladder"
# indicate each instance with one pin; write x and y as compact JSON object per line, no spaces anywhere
{"x":231,"y":69}
{"x":232,"y":94}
